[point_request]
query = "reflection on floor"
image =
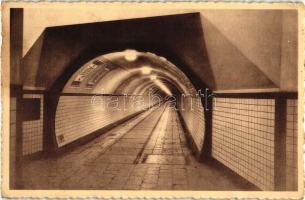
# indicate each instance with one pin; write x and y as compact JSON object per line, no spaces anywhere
{"x":147,"y":152}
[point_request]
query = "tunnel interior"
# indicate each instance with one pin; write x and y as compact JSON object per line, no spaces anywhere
{"x":139,"y":104}
{"x":117,"y":85}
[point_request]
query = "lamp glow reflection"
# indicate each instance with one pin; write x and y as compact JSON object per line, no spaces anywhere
{"x":163,"y":87}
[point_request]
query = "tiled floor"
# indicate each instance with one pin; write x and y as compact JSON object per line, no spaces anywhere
{"x":147,"y":152}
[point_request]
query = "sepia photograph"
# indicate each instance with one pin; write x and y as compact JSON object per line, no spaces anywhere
{"x":184,"y":99}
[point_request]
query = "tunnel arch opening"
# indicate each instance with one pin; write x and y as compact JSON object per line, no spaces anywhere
{"x":105,"y":72}
{"x":121,"y":77}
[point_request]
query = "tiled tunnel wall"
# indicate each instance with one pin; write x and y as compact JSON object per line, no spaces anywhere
{"x":192,"y":112}
{"x":291,"y":144}
{"x":243,"y":138}
{"x":13,"y":127}
{"x":78,"y":116}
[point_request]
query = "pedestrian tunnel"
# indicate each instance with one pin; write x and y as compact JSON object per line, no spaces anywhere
{"x":115,"y":87}
{"x":115,"y":90}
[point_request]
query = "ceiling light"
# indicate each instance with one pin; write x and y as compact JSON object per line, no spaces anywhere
{"x":130,"y":55}
{"x":153,"y":77}
{"x":146,"y":70}
{"x":162,"y":58}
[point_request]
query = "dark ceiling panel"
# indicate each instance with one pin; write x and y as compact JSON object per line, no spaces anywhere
{"x":179,"y":38}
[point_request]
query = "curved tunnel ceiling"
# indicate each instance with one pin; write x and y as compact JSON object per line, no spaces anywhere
{"x":129,"y":72}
